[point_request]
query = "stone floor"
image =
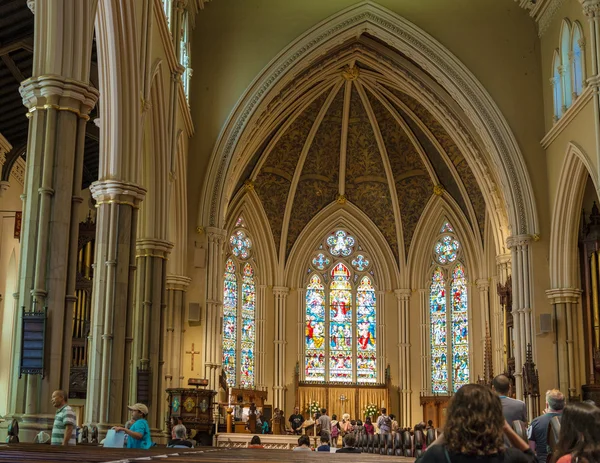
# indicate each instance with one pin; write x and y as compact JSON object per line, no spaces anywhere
{"x":37,"y":453}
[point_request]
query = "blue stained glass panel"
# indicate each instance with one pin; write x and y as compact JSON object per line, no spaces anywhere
{"x":340,"y":244}
{"x":460,"y":329}
{"x":438,"y":333}
{"x":366,"y":324}
{"x":340,"y":326}
{"x":446,"y":250}
{"x":314,"y":360}
{"x":240,"y":244}
{"x":248,"y":327}
{"x":230,"y":323}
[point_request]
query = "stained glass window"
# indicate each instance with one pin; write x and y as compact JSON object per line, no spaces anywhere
{"x":314,"y":362}
{"x":340,"y":244}
{"x":360,"y":262}
{"x":366,"y":361}
{"x":184,"y":56}
{"x":447,"y":228}
{"x":340,"y":342}
{"x":248,"y":327}
{"x":240,"y":244}
{"x":460,"y":329}
{"x":321,"y":261}
{"x":446,"y":249}
{"x":230,"y":298}
{"x":439,"y":343}
{"x":340,"y":325}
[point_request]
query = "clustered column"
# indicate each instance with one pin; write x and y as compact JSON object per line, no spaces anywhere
{"x":403,"y":298}
{"x":176,"y":289}
{"x":591,"y":8}
{"x":59,"y":98}
{"x":280,"y":294}
{"x":503,"y":265}
{"x":425,"y":355}
{"x":214,"y":306}
{"x":521,"y":298}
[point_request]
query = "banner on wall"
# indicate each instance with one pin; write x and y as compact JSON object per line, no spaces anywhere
{"x":18,"y":219}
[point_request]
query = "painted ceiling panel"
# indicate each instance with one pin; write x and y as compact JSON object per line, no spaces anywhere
{"x":414,"y":186}
{"x":273,"y":182}
{"x":366,"y":182}
{"x":318,"y":184}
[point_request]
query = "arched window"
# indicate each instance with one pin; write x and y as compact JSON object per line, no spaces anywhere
{"x":239,"y":313}
{"x":448,"y":319}
{"x":340,"y":342}
{"x":577,"y":64}
{"x":557,"y":92}
{"x":168,"y":9}
{"x":565,"y":70}
{"x":184,"y":55}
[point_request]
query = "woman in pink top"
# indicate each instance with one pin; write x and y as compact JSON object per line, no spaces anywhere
{"x":369,"y":428}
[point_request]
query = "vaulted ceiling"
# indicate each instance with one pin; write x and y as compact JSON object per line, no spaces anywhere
{"x":357,"y":136}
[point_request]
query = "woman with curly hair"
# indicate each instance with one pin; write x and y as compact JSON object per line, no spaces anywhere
{"x":474,"y":432}
{"x":579,"y":437}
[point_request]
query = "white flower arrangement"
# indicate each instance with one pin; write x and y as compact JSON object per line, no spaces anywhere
{"x":313,"y":407}
{"x":372,"y":410}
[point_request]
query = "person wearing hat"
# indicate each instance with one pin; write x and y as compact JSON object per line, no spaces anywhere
{"x":139,"y":432}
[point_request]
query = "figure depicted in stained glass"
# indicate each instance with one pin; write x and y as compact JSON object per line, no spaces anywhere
{"x":230,"y":298}
{"x":438,"y":323}
{"x":340,"y":327}
{"x":460,"y":328}
{"x":315,"y":330}
{"x":366,"y":364}
{"x":340,"y":244}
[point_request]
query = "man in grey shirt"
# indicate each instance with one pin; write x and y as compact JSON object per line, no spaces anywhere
{"x":512,"y":409}
{"x":325,"y":423}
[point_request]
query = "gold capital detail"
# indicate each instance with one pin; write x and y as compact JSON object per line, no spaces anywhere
{"x":350,"y":73}
{"x":536,"y":237}
{"x":341,"y":199}
{"x":438,"y":190}
{"x":249,"y":184}
{"x":200,"y":230}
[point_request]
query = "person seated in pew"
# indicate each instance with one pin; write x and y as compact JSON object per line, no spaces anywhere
{"x":303,"y":444}
{"x":349,"y":445}
{"x":139,"y":432}
{"x":324,"y":447}
{"x":180,"y":440}
{"x":369,"y":428}
{"x":255,"y":443}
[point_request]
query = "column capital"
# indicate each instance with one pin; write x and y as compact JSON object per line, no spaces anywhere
{"x":519,"y":240}
{"x":281,"y":291}
{"x":215,"y":233}
{"x":483,"y":284}
{"x":503,"y":259}
{"x":31,"y":5}
{"x":5,"y":147}
{"x":591,"y":8}
{"x":178,"y":282}
{"x":560,"y":295}
{"x":117,"y":192}
{"x":59,"y":93}
{"x":403,"y":294}
{"x":151,"y":247}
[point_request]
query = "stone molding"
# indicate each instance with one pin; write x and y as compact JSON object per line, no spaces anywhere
{"x":5,"y":147}
{"x":178,"y":282}
{"x":518,"y":240}
{"x":18,"y":171}
{"x":58,"y":92}
{"x":562,"y":295}
{"x":483,"y":284}
{"x":591,"y":8}
{"x":281,"y":291}
{"x":151,"y":247}
{"x":403,"y":294}
{"x":117,"y":192}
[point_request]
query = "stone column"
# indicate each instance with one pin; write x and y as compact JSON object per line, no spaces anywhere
{"x":5,"y":148}
{"x":176,"y":288}
{"x":483,"y":285}
{"x":280,"y":293}
{"x":503,"y":265}
{"x":112,"y":327}
{"x":423,"y":329}
{"x":521,"y":297}
{"x":403,"y":300}
{"x":260,"y":337}
{"x":591,"y":8}
{"x":565,"y":301}
{"x":214,"y":306}
{"x":380,"y":344}
{"x":150,"y":326}
{"x":59,"y":98}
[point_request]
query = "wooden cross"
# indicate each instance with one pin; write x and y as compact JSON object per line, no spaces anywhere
{"x":193,"y":352}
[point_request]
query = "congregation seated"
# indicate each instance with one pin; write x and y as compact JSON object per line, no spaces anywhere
{"x":303,"y":444}
{"x":324,"y":447}
{"x":475,"y":431}
{"x":180,"y":441}
{"x":349,"y":445}
{"x":255,"y":443}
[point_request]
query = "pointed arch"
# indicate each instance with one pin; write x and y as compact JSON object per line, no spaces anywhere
{"x":439,"y":210}
{"x":496,"y":137}
{"x":349,"y":217}
{"x":566,"y":214}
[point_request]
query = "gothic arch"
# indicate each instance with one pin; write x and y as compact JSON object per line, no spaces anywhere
{"x":439,"y":209}
{"x":496,"y":138}
{"x":249,"y":207}
{"x":564,"y":269}
{"x":356,"y":222}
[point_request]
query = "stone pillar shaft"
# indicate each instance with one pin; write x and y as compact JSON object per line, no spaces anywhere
{"x":59,"y":98}
{"x":591,"y":9}
{"x":424,"y":338}
{"x":280,"y":294}
{"x":175,"y":322}
{"x":403,"y":299}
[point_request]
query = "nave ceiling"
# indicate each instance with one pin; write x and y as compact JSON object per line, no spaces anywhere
{"x":355,"y":132}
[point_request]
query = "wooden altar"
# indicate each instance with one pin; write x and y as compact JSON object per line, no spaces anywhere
{"x":435,"y":408}
{"x":242,"y":400}
{"x":194,"y":406}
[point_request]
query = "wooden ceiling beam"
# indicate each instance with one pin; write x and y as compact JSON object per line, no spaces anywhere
{"x":14,"y":70}
{"x":24,"y":44}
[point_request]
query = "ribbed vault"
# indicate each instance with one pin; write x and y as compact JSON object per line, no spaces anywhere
{"x":356,"y":134}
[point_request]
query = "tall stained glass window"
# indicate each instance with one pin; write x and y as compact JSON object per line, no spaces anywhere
{"x":448,"y":317}
{"x":239,"y":314}
{"x":340,"y":314}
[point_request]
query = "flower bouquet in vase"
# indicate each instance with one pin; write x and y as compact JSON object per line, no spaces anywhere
{"x":372,"y":410}
{"x":312,"y":408}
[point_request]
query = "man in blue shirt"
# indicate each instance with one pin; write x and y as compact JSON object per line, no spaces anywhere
{"x":139,"y":432}
{"x":538,"y":431}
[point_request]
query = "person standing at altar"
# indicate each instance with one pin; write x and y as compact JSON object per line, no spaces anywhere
{"x":384,"y":422}
{"x":296,"y":420}
{"x":325,"y":423}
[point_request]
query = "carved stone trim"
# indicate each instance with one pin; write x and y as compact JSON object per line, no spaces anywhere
{"x":560,"y":295}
